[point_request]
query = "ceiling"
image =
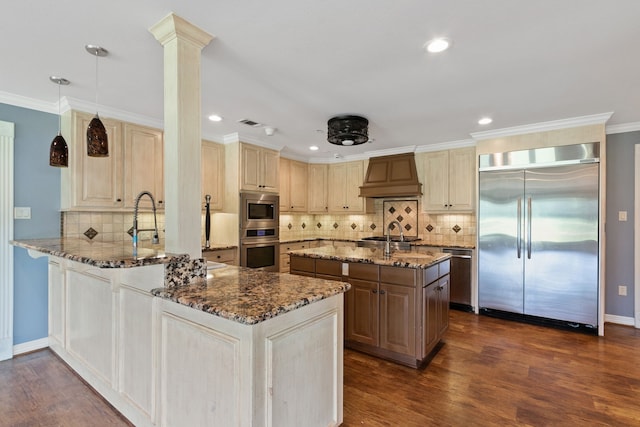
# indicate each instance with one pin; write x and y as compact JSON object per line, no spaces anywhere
{"x":292,"y":65}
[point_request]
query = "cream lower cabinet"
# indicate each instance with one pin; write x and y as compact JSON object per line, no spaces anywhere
{"x":164,"y":364}
{"x":317,"y":188}
{"x":449,"y":180}
{"x":134,"y":164}
{"x":344,"y":181}
{"x":212,"y":170}
{"x":293,"y":186}
{"x":258,"y":169}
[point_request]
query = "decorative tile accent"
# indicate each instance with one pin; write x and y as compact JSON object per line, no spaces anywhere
{"x":456,"y":228}
{"x":130,"y":232}
{"x":429,"y":228}
{"x":319,"y":225}
{"x":354,"y":226}
{"x":290,"y":226}
{"x":373,"y":226}
{"x":304,"y":225}
{"x":335,"y":225}
{"x":91,"y":233}
{"x":408,"y":221}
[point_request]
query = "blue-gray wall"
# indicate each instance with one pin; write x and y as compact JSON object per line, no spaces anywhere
{"x":36,"y":185}
{"x":619,"y":234}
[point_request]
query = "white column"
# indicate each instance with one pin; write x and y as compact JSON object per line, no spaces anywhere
{"x":183,"y":44}
{"x":6,"y":234}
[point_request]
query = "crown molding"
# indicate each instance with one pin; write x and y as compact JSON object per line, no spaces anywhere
{"x":236,"y":137}
{"x":30,"y":103}
{"x":622,"y":128}
{"x":544,"y":126}
{"x":461,"y":143}
{"x":114,"y":113}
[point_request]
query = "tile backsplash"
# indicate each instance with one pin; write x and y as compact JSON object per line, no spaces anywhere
{"x":437,"y":229}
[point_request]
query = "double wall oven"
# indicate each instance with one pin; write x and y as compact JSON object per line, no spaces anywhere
{"x":259,"y":231}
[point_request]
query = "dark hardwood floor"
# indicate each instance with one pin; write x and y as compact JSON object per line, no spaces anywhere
{"x":488,"y":372}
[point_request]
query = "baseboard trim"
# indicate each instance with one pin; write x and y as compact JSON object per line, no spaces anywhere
{"x":620,"y":320}
{"x":34,"y":345}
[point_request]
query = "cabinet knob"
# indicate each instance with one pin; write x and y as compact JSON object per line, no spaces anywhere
{"x":375,"y":291}
{"x":382,"y":292}
{"x":218,"y":257}
{"x":160,"y":202}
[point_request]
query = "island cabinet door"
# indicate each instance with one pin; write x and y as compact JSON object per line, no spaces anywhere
{"x":397,"y":318}
{"x":362,"y":312}
{"x":430,"y":317}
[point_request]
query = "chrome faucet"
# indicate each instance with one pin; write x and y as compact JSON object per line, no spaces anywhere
{"x":155,"y":240}
{"x":387,"y":246}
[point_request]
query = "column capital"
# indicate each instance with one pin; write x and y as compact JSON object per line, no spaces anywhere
{"x":172,"y":26}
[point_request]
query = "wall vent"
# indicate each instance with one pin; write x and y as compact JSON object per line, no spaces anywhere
{"x":249,"y":122}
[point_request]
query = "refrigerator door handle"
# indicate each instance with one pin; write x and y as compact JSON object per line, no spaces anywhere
{"x":519,"y":231}
{"x":529,"y":228}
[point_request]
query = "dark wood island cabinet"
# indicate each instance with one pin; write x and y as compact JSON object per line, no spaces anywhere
{"x":397,"y":308}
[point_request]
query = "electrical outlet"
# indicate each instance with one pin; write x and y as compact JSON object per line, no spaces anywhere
{"x":622,"y":215}
{"x":622,"y":291}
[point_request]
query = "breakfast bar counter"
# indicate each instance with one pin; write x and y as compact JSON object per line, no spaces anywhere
{"x":169,"y":342}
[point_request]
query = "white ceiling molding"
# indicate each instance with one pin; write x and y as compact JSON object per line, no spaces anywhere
{"x":114,"y":113}
{"x":30,"y":103}
{"x":391,"y":151}
{"x":544,"y":126}
{"x":236,"y":137}
{"x":440,"y":146}
{"x":622,"y":128}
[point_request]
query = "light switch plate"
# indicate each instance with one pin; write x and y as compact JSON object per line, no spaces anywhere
{"x":22,"y":213}
{"x":622,"y":215}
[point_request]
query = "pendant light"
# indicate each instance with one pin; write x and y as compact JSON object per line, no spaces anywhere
{"x":59,"y":152}
{"x":97,"y":141}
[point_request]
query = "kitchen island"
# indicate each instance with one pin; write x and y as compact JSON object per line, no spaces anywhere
{"x":398,"y":305}
{"x":168,"y":342}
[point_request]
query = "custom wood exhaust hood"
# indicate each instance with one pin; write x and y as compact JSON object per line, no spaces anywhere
{"x":391,"y":176}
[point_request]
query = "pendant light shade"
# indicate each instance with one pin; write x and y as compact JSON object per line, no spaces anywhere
{"x":59,"y":152}
{"x":97,"y":139}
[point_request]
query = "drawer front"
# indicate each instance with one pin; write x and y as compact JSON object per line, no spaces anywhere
{"x":223,"y":255}
{"x":302,"y":264}
{"x":398,"y":275}
{"x":285,"y":263}
{"x":329,"y":267}
{"x":358,"y":270}
{"x":431,"y":274}
{"x":445,"y":267}
{"x":286,"y":247}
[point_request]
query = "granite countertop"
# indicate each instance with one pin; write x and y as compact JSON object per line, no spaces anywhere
{"x":420,"y":243}
{"x":250,"y":296}
{"x":216,"y":247}
{"x":100,"y":254}
{"x":407,"y":259}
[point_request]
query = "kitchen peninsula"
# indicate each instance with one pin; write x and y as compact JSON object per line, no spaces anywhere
{"x":168,"y":342}
{"x":398,"y":305}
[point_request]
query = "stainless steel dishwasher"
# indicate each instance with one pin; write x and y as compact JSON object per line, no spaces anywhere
{"x":460,"y":298}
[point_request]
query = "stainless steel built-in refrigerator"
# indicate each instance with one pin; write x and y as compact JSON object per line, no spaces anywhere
{"x":538,"y":233}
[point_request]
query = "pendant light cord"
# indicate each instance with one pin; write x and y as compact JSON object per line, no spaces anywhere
{"x":96,"y":82}
{"x":59,"y":116}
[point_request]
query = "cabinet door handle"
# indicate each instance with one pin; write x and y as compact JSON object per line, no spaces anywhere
{"x":382,"y":292}
{"x":118,"y":200}
{"x":375,"y":291}
{"x":160,"y":202}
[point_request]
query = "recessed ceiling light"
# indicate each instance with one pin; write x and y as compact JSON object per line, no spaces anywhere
{"x":314,"y":148}
{"x":215,"y":118}
{"x":437,"y":45}
{"x":485,"y":121}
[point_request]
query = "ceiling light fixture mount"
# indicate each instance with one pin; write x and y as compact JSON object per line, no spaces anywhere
{"x":97,"y":139}
{"x":348,"y":130}
{"x":59,"y":151}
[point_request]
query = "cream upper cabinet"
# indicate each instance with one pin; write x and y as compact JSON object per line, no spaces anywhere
{"x":293,"y":186}
{"x":212,"y":170}
{"x":134,"y":164}
{"x":258,"y":169}
{"x":92,"y":182}
{"x":449,"y":179}
{"x":317,"y":188}
{"x":143,"y":165}
{"x":345,"y":180}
